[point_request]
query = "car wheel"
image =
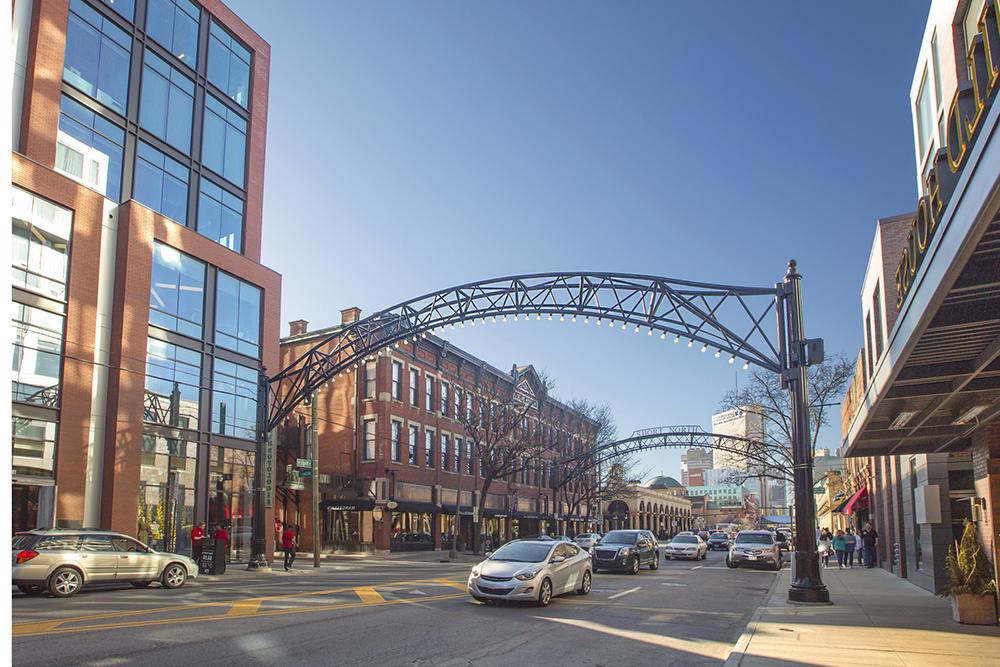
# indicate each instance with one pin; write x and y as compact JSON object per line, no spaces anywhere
{"x":666,"y":557}
{"x":174,"y":576}
{"x":633,"y":567}
{"x":31,"y":589}
{"x":655,"y":565}
{"x":585,"y":586}
{"x":141,"y":584}
{"x":704,"y":555}
{"x":545,"y":593}
{"x":65,"y":582}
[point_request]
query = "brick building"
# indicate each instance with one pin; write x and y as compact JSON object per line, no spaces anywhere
{"x":920,"y":420}
{"x":393,"y":450}
{"x":142,"y":315}
{"x":694,"y":462}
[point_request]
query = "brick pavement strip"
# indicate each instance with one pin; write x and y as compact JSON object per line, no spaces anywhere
{"x":875,"y":618}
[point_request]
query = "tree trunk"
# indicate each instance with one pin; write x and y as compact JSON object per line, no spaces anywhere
{"x":476,"y":531}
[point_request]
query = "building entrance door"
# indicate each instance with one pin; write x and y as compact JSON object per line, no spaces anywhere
{"x":32,"y":506}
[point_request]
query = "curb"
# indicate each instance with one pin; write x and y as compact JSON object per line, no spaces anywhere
{"x":739,"y":650}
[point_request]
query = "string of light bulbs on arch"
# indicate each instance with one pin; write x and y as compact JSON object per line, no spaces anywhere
{"x":492,"y":319}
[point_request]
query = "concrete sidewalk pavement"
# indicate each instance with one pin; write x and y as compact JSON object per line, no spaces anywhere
{"x":876,"y":619}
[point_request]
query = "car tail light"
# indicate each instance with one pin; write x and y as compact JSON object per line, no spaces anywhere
{"x":26,"y":555}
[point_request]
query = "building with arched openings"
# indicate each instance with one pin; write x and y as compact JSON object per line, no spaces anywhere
{"x":659,"y":505}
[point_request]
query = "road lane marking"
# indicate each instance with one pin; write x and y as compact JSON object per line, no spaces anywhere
{"x":220,"y":617}
{"x":697,"y":567}
{"x":369,"y":595}
{"x":27,"y":625}
{"x":245,"y":607}
{"x":618,"y":595}
{"x":670,"y":583}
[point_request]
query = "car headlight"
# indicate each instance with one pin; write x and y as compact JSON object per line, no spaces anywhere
{"x":528,"y":575}
{"x":475,"y":571}
{"x":624,"y":551}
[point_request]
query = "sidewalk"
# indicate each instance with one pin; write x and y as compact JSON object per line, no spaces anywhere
{"x":875,"y":619}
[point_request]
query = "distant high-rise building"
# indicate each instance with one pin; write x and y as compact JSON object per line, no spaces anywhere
{"x":694,"y":463}
{"x":746,"y":422}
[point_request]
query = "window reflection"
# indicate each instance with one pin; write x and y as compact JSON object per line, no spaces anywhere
{"x":97,"y":56}
{"x":237,"y":315}
{"x":228,"y":65}
{"x":173,"y":376}
{"x":176,"y":291}
{"x":234,"y":400}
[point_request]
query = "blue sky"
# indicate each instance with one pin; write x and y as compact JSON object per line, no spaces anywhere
{"x":413,"y":146}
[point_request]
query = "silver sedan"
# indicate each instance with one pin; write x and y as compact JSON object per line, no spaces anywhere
{"x":531,"y":570}
{"x":685,"y":546}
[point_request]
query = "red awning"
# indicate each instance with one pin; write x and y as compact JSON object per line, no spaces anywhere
{"x":858,"y":501}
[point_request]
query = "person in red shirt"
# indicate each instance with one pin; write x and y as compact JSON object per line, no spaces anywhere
{"x":222,"y":534}
{"x":289,"y":540}
{"x":197,"y":540}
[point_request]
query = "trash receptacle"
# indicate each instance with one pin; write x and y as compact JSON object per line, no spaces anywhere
{"x":213,"y":557}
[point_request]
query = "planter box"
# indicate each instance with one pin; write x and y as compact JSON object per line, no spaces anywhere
{"x":974,"y":609}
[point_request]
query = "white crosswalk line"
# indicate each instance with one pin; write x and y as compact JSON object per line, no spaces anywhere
{"x":618,"y":595}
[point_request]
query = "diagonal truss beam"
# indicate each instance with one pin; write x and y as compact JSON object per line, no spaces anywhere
{"x":702,"y":314}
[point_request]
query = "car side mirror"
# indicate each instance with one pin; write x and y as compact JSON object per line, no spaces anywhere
{"x":488,"y":554}
{"x":557,"y":559}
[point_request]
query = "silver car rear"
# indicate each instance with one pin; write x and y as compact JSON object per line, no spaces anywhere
{"x":533,"y":571}
{"x":63,"y":561}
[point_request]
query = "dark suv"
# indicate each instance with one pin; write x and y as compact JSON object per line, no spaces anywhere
{"x":718,"y":541}
{"x":626,"y":550}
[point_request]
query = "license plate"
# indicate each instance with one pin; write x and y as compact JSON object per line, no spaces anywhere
{"x":751,"y":557}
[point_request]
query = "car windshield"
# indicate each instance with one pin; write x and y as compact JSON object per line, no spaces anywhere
{"x":686,"y":539}
{"x":522,"y":552}
{"x":754,"y":538}
{"x":717,"y":537}
{"x":619,"y":537}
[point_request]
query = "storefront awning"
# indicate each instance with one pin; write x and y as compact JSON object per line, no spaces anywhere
{"x":348,"y":504}
{"x":840,"y":503}
{"x":858,"y":501}
{"x":419,"y":508}
{"x":466,"y":510}
{"x":780,"y":519}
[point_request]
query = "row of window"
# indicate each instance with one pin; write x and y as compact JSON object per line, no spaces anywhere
{"x":177,"y":302}
{"x":97,"y":49}
{"x":91,"y":148}
{"x":173,"y":391}
{"x":451,"y":453}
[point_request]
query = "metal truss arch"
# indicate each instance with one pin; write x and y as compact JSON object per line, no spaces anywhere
{"x":664,"y":437}
{"x":724,"y":318}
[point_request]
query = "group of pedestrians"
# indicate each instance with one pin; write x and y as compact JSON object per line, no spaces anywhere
{"x":844,"y":544}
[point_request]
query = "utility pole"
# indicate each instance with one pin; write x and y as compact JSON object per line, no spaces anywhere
{"x":315,"y":480}
{"x":265,"y":444}
{"x":453,"y":552}
{"x":807,"y":584}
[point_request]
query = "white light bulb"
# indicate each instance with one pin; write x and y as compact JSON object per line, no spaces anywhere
{"x":504,"y":318}
{"x":538,"y":317}
{"x":691,"y":343}
{"x":550,"y":317}
{"x":599,"y":321}
{"x":452,"y":326}
{"x":624,"y":326}
{"x":472,"y":323}
{"x":704,"y":348}
{"x":462,"y":324}
{"x":562,"y":318}
{"x":586,"y":320}
{"x":663,"y":336}
{"x":732,"y":359}
{"x":494,"y":319}
{"x":677,"y":339}
{"x":515,"y":317}
{"x":650,"y":332}
{"x":611,"y":323}
{"x":746,"y":365}
{"x":574,"y":319}
{"x":718,"y":353}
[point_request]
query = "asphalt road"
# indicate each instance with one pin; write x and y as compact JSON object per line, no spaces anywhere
{"x":394,"y":613}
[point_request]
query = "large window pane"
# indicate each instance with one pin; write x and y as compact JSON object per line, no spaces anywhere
{"x":234,"y":400}
{"x":97,"y":56}
{"x":167,"y":102}
{"x":166,"y":493}
{"x":176,"y":291}
{"x":90,"y":148}
{"x":224,"y":141}
{"x":37,"y":355}
{"x":220,"y":215}
{"x":161,"y":183}
{"x":34,"y":446}
{"x":39,"y":244}
{"x":174,"y":24}
{"x":173,"y":379}
{"x":237,"y":315}
{"x":228,"y":65}
{"x":230,"y":498}
{"x":124,"y":7}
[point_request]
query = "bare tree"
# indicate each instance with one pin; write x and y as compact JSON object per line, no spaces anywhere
{"x":578,"y":481}
{"x":771,"y":455}
{"x":505,"y":437}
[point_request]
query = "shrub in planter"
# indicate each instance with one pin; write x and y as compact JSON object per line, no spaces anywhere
{"x":971,"y":586}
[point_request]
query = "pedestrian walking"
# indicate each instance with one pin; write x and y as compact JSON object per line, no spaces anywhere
{"x":840,"y":547}
{"x":278,"y":531}
{"x":290,"y":540}
{"x":869,"y":540}
{"x":851,"y":547}
{"x":859,"y":547}
{"x":197,"y":540}
{"x":825,"y":547}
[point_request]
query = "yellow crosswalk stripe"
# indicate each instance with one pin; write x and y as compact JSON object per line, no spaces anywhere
{"x":369,"y":595}
{"x":245,"y":607}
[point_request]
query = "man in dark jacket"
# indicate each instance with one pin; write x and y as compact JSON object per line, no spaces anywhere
{"x":869,"y":540}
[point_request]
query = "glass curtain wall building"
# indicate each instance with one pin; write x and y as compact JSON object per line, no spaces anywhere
{"x":143,"y":319}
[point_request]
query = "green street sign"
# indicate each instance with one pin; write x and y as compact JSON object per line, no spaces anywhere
{"x":304,"y":463}
{"x":305,"y":473}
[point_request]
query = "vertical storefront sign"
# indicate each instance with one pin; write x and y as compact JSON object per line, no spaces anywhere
{"x":269,"y":470}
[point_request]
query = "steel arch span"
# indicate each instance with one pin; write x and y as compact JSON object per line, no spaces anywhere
{"x":725,"y":319}
{"x":664,"y":437}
